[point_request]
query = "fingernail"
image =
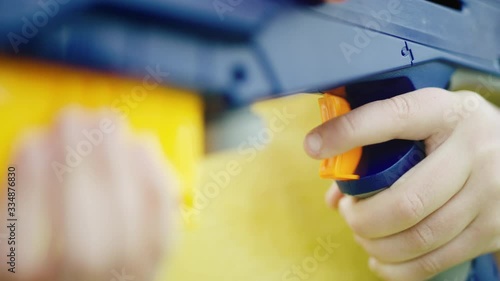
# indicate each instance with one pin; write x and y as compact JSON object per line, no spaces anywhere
{"x":342,"y":202}
{"x":372,"y":263}
{"x":328,"y":197}
{"x":314,"y":143}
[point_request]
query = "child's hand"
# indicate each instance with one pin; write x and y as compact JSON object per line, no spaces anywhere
{"x":93,"y":202}
{"x":445,"y":210}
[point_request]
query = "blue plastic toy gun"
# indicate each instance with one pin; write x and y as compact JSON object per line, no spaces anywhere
{"x":244,"y":50}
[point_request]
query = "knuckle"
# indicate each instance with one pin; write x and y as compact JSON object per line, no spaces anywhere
{"x":467,"y":94}
{"x":422,"y":237}
{"x":403,"y":106}
{"x":347,"y":125}
{"x":412,"y":207}
{"x":429,"y":266}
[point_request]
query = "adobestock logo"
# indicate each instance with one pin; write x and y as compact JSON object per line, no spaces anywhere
{"x":224,"y":6}
{"x":308,"y":265}
{"x":74,"y":155}
{"x":363,"y":37}
{"x":48,"y":9}
{"x":121,"y":276}
{"x":221,"y":179}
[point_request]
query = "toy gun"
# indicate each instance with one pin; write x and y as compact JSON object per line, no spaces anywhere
{"x":248,"y":50}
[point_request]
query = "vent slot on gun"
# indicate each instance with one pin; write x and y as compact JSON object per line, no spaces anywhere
{"x":456,"y":5}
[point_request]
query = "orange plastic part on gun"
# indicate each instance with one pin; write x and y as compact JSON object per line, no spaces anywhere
{"x":343,"y":166}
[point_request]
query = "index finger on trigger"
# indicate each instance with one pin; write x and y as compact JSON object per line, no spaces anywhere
{"x":412,"y":116}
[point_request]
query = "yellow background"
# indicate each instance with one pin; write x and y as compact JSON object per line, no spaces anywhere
{"x":268,"y":218}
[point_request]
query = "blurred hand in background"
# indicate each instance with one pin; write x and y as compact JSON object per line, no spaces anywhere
{"x":93,"y":202}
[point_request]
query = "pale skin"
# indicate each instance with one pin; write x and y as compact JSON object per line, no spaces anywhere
{"x":112,"y":217}
{"x":446,"y":209}
{"x":443,"y":212}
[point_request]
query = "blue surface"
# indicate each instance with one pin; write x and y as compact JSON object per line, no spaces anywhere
{"x":484,"y":268}
{"x":390,"y":161}
{"x":260,"y":48}
{"x":249,"y":50}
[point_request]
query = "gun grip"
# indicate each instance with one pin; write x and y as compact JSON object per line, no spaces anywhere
{"x":383,"y":164}
{"x":364,"y":171}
